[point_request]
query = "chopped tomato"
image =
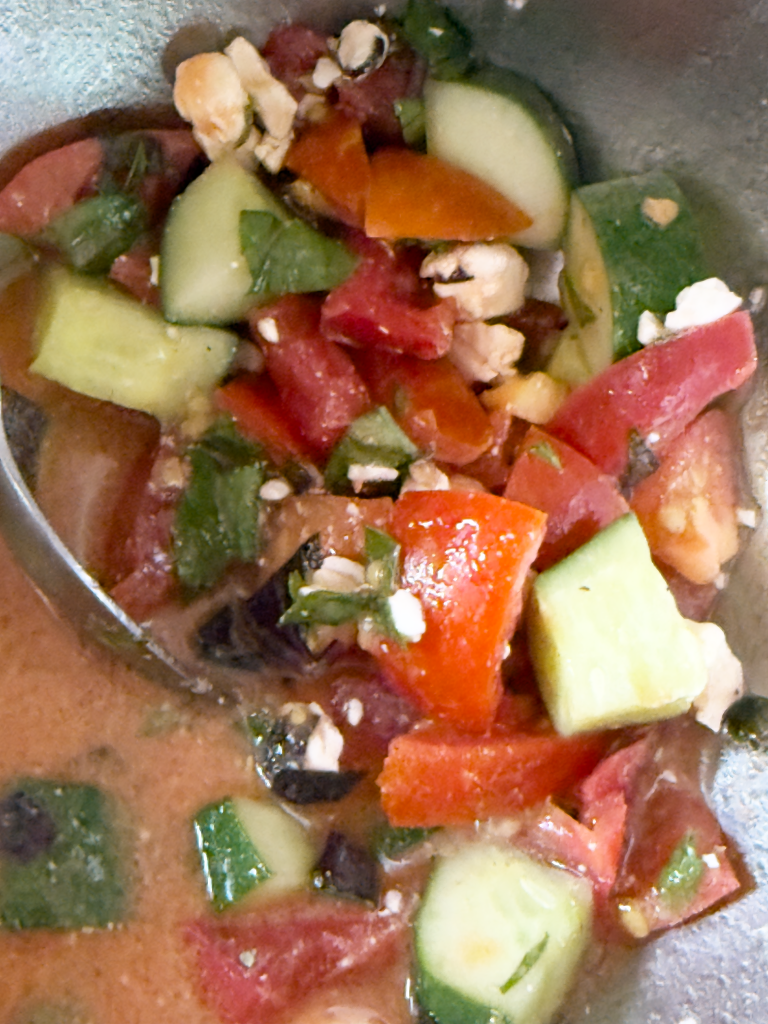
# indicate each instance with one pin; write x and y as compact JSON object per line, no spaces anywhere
{"x":371,"y":98}
{"x":369,"y":716}
{"x":292,"y":52}
{"x":656,"y":392}
{"x":491,"y":469}
{"x":314,"y":377}
{"x":465,"y":555}
{"x":667,"y":812}
{"x":436,"y":775}
{"x":254,"y":403}
{"x":579,"y":500}
{"x":694,"y":600}
{"x":417,"y":196}
{"x":687,"y":508}
{"x":432,"y":403}
{"x":133,"y":271}
{"x":385,"y":305}
{"x":332,"y":157}
{"x":49,"y":185}
{"x":260,"y":968}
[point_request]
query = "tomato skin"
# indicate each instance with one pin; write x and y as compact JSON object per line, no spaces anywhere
{"x":254,"y":403}
{"x":133,"y":271}
{"x":49,"y":185}
{"x":432,"y":403}
{"x":416,"y":196}
{"x":465,"y":555}
{"x":332,"y":157}
{"x":579,"y":500}
{"x":384,"y":305}
{"x":371,"y":98}
{"x":436,"y":775}
{"x":292,"y":52}
{"x":658,"y":390}
{"x":687,"y":508}
{"x":314,"y":377}
{"x":300,"y":946}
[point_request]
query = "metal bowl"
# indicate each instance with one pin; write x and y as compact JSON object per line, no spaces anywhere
{"x":642,"y":84}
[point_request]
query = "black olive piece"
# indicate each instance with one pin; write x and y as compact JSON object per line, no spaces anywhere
{"x":24,"y":423}
{"x":246,"y":634}
{"x":308,"y":786}
{"x":26,"y":828}
{"x":347,"y":869}
{"x":746,"y":721}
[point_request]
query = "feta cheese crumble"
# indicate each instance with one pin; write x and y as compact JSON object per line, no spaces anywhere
{"x":701,"y":303}
{"x":725,"y":678}
{"x":362,"y":47}
{"x":407,"y":615}
{"x":324,"y":745}
{"x":424,"y":475}
{"x":485,"y":280}
{"x":484,"y":352}
{"x":275,"y":490}
{"x":359,"y":474}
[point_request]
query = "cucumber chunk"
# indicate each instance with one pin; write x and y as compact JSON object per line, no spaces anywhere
{"x":98,"y":342}
{"x":60,"y":863}
{"x":499,"y":127}
{"x":248,"y":846}
{"x":499,"y":937}
{"x":632,"y":244}
{"x":608,"y":644}
{"x":204,"y":275}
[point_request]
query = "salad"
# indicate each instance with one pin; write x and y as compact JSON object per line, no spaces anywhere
{"x":413,"y":449}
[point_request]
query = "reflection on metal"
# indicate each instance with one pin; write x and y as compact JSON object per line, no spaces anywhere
{"x":642,"y":84}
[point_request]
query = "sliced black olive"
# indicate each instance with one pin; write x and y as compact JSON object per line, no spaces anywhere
{"x":347,"y":868}
{"x":246,"y":634}
{"x":24,"y":423}
{"x":308,"y":786}
{"x":746,"y":721}
{"x":26,"y":828}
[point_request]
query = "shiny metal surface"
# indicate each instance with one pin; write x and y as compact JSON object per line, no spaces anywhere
{"x":681,"y":84}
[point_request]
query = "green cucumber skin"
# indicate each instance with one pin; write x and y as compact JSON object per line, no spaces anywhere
{"x":655,"y":263}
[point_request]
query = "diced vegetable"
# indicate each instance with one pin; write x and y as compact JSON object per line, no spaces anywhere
{"x":579,"y":500}
{"x":392,"y":842}
{"x":499,"y":127}
{"x":332,"y":157}
{"x":656,"y":392}
{"x":687,"y":508}
{"x":91,"y":234}
{"x":204,"y":275}
{"x":249,"y":846}
{"x":347,"y":868}
{"x":465,"y":556}
{"x":499,"y":937}
{"x":217,"y":520}
{"x":315,"y":378}
{"x":96,"y":341}
{"x":439,"y":37}
{"x":632,"y":245}
{"x":608,"y":644}
{"x":289,"y":256}
{"x":61,"y":858}
{"x":416,"y":196}
{"x":373,"y":442}
{"x":437,"y":774}
{"x":254,"y":404}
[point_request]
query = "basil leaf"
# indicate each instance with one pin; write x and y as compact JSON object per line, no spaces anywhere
{"x":327,"y":607}
{"x":374,"y":439}
{"x":438,"y":35}
{"x":91,"y":234}
{"x":544,"y":451}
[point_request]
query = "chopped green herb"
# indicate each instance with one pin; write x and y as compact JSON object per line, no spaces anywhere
{"x":139,"y":166}
{"x":544,"y":451}
{"x":373,"y":440}
{"x":217,"y":521}
{"x":91,"y":234}
{"x":231,"y":864}
{"x":680,"y":877}
{"x":329,"y":607}
{"x":438,"y":35}
{"x":291,"y":256}
{"x":529,"y":960}
{"x":410,"y":114}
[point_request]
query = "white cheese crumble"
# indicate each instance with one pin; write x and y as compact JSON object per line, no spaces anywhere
{"x":746,"y":517}
{"x":650,"y":329}
{"x":359,"y":474}
{"x":154,"y":270}
{"x":711,"y":860}
{"x":545,"y":269}
{"x":324,"y":745}
{"x":424,"y":475}
{"x":362,"y":46}
{"x":407,"y":615}
{"x":337,"y":573}
{"x":247,"y":958}
{"x":208,"y":93}
{"x":275,"y":490}
{"x":268,"y":329}
{"x":701,"y":303}
{"x":484,"y":352}
{"x":393,"y":901}
{"x":725,"y":678}
{"x":354,"y":711}
{"x":485,"y":280}
{"x":325,"y":73}
{"x":272,"y":101}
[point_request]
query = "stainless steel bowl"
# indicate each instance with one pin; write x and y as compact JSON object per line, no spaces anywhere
{"x":642,"y":83}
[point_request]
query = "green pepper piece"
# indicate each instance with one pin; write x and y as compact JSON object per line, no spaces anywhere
{"x":438,"y":35}
{"x":91,"y":234}
{"x":231,"y":863}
